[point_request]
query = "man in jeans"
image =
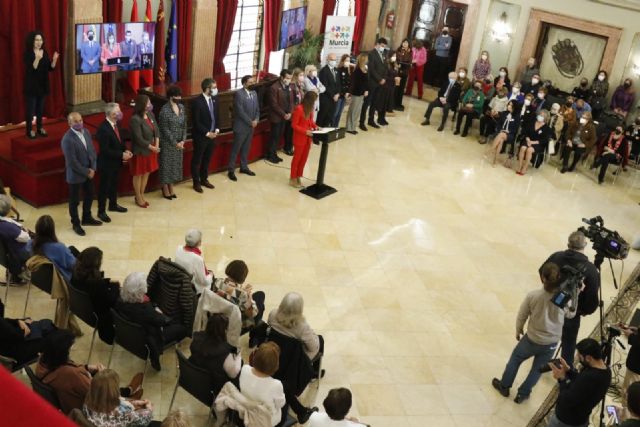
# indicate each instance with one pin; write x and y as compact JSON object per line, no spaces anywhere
{"x":543,"y":333}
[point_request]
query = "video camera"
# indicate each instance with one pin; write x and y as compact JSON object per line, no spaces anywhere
{"x":569,"y":287}
{"x":605,"y":242}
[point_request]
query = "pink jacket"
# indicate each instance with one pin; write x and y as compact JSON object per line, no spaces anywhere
{"x":419,"y":56}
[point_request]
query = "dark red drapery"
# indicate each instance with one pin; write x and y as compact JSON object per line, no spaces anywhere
{"x":361,"y":16}
{"x":272,"y":12}
{"x":111,"y":12}
{"x":185,"y":25}
{"x":159,"y":63}
{"x":328,"y":7}
{"x":226,"y":18}
{"x":17,"y":19}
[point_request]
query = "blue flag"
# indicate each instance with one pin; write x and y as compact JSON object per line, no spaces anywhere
{"x":171,"y":50}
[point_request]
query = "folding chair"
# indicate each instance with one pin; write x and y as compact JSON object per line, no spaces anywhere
{"x":80,"y":304}
{"x":42,"y":278}
{"x":12,"y":364}
{"x":45,"y":391}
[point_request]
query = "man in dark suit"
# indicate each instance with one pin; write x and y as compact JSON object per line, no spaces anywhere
{"x":281,"y":103}
{"x":329,"y":98}
{"x":204,"y":117}
{"x":80,"y":165}
{"x":145,"y":48}
{"x":448,"y":98}
{"x":90,"y":54}
{"x":129,"y":48}
{"x":376,"y":75}
{"x":113,"y":152}
{"x":246,"y":113}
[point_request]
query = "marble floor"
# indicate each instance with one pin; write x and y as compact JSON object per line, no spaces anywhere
{"x":413,"y":271}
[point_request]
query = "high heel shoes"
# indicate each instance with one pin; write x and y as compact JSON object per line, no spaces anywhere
{"x":142,"y":205}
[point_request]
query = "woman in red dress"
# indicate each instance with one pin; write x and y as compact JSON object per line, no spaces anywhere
{"x":302,"y":124}
{"x":145,"y":144}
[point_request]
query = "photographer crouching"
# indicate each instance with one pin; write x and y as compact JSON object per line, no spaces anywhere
{"x":588,"y":299}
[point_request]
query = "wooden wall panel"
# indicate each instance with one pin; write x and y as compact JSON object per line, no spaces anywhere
{"x":204,"y":38}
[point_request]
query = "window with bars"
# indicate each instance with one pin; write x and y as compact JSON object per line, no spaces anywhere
{"x":343,"y":8}
{"x":243,"y":53}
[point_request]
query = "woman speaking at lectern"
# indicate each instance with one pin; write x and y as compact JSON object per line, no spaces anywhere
{"x":302,"y":124}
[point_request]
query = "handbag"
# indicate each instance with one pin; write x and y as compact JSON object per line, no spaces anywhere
{"x":552,"y":147}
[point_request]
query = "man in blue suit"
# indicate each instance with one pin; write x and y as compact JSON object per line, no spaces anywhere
{"x":246,"y":113}
{"x":129,"y":48}
{"x":90,"y":54}
{"x":80,"y":164}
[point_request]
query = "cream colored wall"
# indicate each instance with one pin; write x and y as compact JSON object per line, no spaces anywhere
{"x":589,"y":10}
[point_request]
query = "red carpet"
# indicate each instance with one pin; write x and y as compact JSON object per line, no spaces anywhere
{"x":34,"y":169}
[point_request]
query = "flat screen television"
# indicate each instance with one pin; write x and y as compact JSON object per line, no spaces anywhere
{"x":292,"y":27}
{"x":117,"y":46}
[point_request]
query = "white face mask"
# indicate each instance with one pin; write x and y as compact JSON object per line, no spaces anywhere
{"x":540,"y":119}
{"x":214,"y":91}
{"x":601,"y":77}
{"x":516,"y":90}
{"x":314,"y":74}
{"x":366,"y":66}
{"x":461,"y":74}
{"x":535,"y":81}
{"x":527,"y":102}
{"x":503,"y":73}
{"x":540,"y":95}
{"x":484,"y":57}
{"x":332,"y":63}
{"x":583,"y":121}
{"x":393,"y":58}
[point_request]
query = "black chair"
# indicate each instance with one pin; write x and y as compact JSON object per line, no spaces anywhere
{"x":45,"y":391}
{"x":133,"y":338}
{"x":80,"y":304}
{"x":42,"y":278}
{"x":4,"y":262}
{"x":12,"y":364}
{"x":195,"y":381}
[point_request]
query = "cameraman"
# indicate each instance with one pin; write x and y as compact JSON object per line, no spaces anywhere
{"x":543,"y":333}
{"x":580,"y":392}
{"x":588,"y":300}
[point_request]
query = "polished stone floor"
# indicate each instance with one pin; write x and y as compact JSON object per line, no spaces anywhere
{"x":413,"y":271}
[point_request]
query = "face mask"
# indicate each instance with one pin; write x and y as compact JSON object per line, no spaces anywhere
{"x":484,"y":57}
{"x":332,"y":63}
{"x":515,"y":90}
{"x":111,"y":41}
{"x":393,"y":59}
{"x":540,"y":118}
{"x":535,"y":81}
{"x":601,"y":77}
{"x":366,"y":66}
{"x":90,"y":38}
{"x":583,"y":84}
{"x":118,"y":116}
{"x":503,"y":73}
{"x":314,"y":74}
{"x":540,"y":95}
{"x":214,"y":91}
{"x":569,"y":104}
{"x":380,"y":49}
{"x":177,"y":100}
{"x":618,"y":131}
{"x":627,"y":84}
{"x":461,"y":74}
{"x":346,"y":63}
{"x":127,"y":38}
{"x":554,"y":112}
{"x":77,"y":127}
{"x":444,"y":33}
{"x":301,"y":78}
{"x":527,"y":102}
{"x":583,"y":121}
{"x":149,"y":107}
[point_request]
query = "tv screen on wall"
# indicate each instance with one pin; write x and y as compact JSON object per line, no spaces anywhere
{"x":292,"y":27}
{"x":118,"y":46}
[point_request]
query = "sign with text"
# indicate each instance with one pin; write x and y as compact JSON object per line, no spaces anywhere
{"x":338,"y":36}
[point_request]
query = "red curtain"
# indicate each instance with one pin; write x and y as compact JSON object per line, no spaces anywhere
{"x":111,"y":12}
{"x":272,"y":12}
{"x":17,"y":19}
{"x":361,"y":17}
{"x":185,"y":25}
{"x":159,"y":63}
{"x":328,"y":8}
{"x":147,"y":75}
{"x":226,"y":18}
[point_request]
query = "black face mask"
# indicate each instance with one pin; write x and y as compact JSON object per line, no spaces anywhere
{"x":583,"y":84}
{"x":627,"y":84}
{"x":90,"y":38}
{"x":569,"y":104}
{"x":444,"y":33}
{"x":618,"y":132}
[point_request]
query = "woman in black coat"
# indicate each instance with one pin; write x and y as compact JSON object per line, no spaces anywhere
{"x":535,"y":141}
{"x":22,"y":339}
{"x":507,"y":128}
{"x":36,"y":80}
{"x":103,"y":292}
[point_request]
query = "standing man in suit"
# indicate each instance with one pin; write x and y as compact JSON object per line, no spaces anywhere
{"x":80,"y":165}
{"x":204,"y":116}
{"x":448,"y":98}
{"x":329,"y":98}
{"x":376,"y":74}
{"x":129,"y":48}
{"x":281,"y":103}
{"x":442,"y":46}
{"x":113,"y":152}
{"x":145,"y":48}
{"x":90,"y":54}
{"x":246,"y":113}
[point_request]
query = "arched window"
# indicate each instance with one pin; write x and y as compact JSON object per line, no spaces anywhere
{"x":244,"y":49}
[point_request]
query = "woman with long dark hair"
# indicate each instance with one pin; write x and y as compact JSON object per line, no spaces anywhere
{"x":211,"y":351}
{"x":36,"y":80}
{"x":145,"y":143}
{"x":46,"y":243}
{"x":302,"y":123}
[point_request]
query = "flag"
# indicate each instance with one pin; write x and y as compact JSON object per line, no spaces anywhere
{"x":159,"y":64}
{"x":171,"y":52}
{"x":147,"y":75}
{"x":134,"y":76}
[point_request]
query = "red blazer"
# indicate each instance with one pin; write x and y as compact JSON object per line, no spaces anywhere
{"x":301,"y":125}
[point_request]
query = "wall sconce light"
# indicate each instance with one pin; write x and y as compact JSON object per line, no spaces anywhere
{"x":501,"y":31}
{"x":635,"y":69}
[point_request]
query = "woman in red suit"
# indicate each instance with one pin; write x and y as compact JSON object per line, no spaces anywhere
{"x":302,"y":124}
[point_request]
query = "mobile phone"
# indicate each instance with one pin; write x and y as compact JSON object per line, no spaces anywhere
{"x":547,"y":368}
{"x":613,"y":414}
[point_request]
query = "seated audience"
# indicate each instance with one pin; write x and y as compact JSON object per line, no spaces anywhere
{"x":503,"y":80}
{"x":448,"y":98}
{"x":633,"y":136}
{"x":15,"y":238}
{"x":233,"y":289}
{"x":508,"y":123}
{"x":337,"y":405}
{"x":487,"y":88}
{"x":191,"y":259}
{"x":135,"y":306}
{"x":104,"y":293}
{"x":45,"y":243}
{"x":488,"y":121}
{"x":614,"y":151}
{"x":23,"y":339}
{"x":71,"y":381}
{"x":540,"y":103}
{"x":472,"y":103}
{"x":176,"y":418}
{"x":211,"y":351}
{"x":598,"y":93}
{"x":482,"y":66}
{"x":581,"y":106}
{"x":581,"y":137}
{"x":104,"y":407}
{"x":464,"y":81}
{"x":516,"y":94}
{"x":257,"y":384}
{"x":556,"y":122}
{"x":581,"y":91}
{"x":529,"y":71}
{"x":569,"y":117}
{"x":532,"y":85}
{"x":6,"y":191}
{"x":623,"y":98}
{"x":536,"y":140}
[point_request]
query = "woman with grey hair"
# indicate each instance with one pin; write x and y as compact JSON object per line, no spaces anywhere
{"x":536,"y":139}
{"x":135,"y":306}
{"x":14,"y":236}
{"x":189,"y":256}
